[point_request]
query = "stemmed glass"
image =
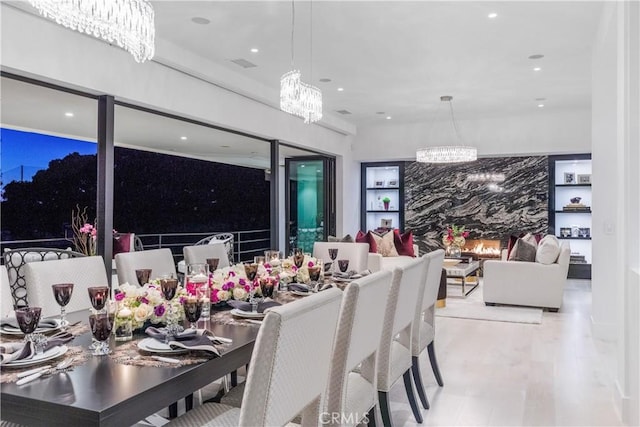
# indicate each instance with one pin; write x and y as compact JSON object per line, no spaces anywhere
{"x":298,"y":257}
{"x":101,"y":325}
{"x":28,"y":318}
{"x":251,"y":270}
{"x":343,"y":265}
{"x":314,"y":274}
{"x":213,"y":264}
{"x":62,"y":293}
{"x":143,"y":275}
{"x":333,"y":254}
{"x":98,"y":296}
{"x":192,"y":311}
{"x":169,"y":288}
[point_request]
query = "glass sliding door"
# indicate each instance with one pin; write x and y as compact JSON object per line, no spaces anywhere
{"x":310,"y":200}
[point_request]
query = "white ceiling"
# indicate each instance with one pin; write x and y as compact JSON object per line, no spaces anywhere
{"x":395,"y":57}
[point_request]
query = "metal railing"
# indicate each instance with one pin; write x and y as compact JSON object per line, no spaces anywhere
{"x":246,"y":243}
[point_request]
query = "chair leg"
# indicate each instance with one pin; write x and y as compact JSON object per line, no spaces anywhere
{"x":408,"y":386}
{"x":417,"y":379}
{"x":188,"y":402}
{"x":434,"y":363}
{"x":173,"y":410}
{"x":383,"y":400}
{"x":234,"y":378}
{"x":372,"y":417}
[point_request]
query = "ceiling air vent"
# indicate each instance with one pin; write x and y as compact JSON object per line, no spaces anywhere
{"x":243,"y":63}
{"x":343,"y":111}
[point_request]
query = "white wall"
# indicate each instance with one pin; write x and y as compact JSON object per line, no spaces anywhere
{"x":616,"y":224}
{"x":543,"y":132}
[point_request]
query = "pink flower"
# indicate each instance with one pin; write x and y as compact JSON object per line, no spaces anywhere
{"x":119,"y":296}
{"x":310,"y":264}
{"x":87,"y":228}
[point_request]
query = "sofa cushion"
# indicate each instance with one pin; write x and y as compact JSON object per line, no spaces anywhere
{"x":403,"y":243}
{"x":385,"y":245}
{"x":523,"y":251}
{"x":367,"y":237}
{"x":548,"y":250}
{"x":530,"y":238}
{"x":346,"y":239}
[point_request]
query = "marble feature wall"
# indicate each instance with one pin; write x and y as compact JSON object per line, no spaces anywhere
{"x":437,"y":196}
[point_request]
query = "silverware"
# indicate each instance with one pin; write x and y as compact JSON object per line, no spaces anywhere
{"x":166,"y":359}
{"x":256,"y":322}
{"x":33,"y":371}
{"x":59,"y":367}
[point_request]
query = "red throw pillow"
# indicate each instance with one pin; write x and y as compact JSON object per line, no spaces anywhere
{"x":513,"y":238}
{"x":121,"y":243}
{"x":361,"y":237}
{"x":403,"y":243}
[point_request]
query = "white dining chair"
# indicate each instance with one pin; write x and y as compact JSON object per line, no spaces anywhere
{"x":83,"y":272}
{"x":356,"y":253}
{"x":423,"y":333}
{"x":288,"y":371}
{"x":200,"y":253}
{"x":5,"y":293}
{"x":160,"y":261}
{"x":394,"y":357}
{"x":351,"y":393}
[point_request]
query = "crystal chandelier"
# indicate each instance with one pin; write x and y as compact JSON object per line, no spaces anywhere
{"x":451,"y":153}
{"x":127,"y":23}
{"x":297,"y":97}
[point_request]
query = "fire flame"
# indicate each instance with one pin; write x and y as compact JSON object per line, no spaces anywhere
{"x":482,"y":250}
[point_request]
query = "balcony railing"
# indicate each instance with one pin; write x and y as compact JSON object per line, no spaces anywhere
{"x":246,"y":243}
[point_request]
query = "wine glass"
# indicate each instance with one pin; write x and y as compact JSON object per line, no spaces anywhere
{"x":192,"y":311}
{"x":251,"y":270}
{"x":28,"y":318}
{"x":343,"y":264}
{"x":259,"y":259}
{"x":169,"y":287}
{"x":101,"y":325}
{"x":143,"y":275}
{"x":333,"y":254}
{"x":267,"y":285}
{"x":98,"y":296}
{"x":213,"y":264}
{"x":298,"y":257}
{"x":314,"y":274}
{"x":62,"y":293}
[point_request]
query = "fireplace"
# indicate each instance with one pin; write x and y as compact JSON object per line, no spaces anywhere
{"x":481,"y":250}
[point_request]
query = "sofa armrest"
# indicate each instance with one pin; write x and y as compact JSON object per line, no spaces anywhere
{"x":374,"y":262}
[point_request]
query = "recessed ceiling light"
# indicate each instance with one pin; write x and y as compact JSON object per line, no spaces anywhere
{"x":200,"y":20}
{"x":536,"y":56}
{"x":224,"y":146}
{"x":184,"y":138}
{"x":492,"y":15}
{"x":68,"y":114}
{"x":379,"y":112}
{"x":537,"y":69}
{"x":325,"y":80}
{"x":388,"y":117}
{"x":340,"y":89}
{"x":540,"y":105}
{"x":541,"y":99}
{"x":254,"y":50}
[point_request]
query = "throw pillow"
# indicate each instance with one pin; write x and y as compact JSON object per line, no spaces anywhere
{"x":548,"y":250}
{"x":384,"y":245}
{"x":121,"y":243}
{"x":361,"y":237}
{"x":523,"y":251}
{"x":345,"y":239}
{"x":532,"y":239}
{"x":403,"y":243}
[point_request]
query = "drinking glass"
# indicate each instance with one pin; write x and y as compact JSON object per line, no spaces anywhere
{"x":143,"y":275}
{"x":251,"y":270}
{"x":267,"y":286}
{"x":101,"y":325}
{"x":169,"y":287}
{"x":192,"y":311}
{"x":198,"y":285}
{"x":28,"y":318}
{"x":343,"y":264}
{"x":213,"y":264}
{"x":98,"y":296}
{"x":272,"y":255}
{"x":314,"y":275}
{"x":62,"y":293}
{"x":333,"y":254}
{"x":259,"y":259}
{"x":298,"y":257}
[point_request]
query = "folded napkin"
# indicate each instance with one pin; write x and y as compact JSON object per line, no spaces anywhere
{"x":352,"y":274}
{"x":11,"y":322}
{"x":10,"y":352}
{"x":326,"y":286}
{"x":298,"y":287}
{"x":245,"y":306}
{"x":189,"y":339}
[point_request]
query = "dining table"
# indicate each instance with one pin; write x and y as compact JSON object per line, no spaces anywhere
{"x":102,"y":391}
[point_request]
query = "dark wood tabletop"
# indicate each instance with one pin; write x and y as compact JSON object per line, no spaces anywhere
{"x":102,"y":392}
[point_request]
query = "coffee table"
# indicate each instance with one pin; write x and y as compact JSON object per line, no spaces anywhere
{"x":461,"y":272}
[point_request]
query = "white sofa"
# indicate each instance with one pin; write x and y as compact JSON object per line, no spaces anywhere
{"x":526,"y":283}
{"x":377,"y":262}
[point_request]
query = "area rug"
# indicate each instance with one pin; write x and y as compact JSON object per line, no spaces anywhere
{"x":473,"y":307}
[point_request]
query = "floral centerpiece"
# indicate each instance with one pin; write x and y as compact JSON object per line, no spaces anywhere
{"x":85,"y":234}
{"x":454,"y":239}
{"x":147,"y":304}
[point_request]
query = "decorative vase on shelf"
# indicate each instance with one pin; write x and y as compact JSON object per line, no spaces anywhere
{"x":386,"y":206}
{"x":453,"y":251}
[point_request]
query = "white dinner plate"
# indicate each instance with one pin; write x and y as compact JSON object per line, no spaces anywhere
{"x":52,"y":353}
{"x":247,"y":314}
{"x":300,"y":293}
{"x":8,"y":330}
{"x":152,"y":345}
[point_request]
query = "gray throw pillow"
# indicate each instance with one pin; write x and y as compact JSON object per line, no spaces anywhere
{"x":345,"y":239}
{"x":523,"y":251}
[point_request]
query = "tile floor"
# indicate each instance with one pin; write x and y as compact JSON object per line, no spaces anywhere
{"x":511,"y":374}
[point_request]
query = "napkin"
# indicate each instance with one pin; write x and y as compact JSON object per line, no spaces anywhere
{"x":11,"y":322}
{"x":351,"y":274}
{"x":298,"y":287}
{"x":245,"y":306}
{"x":189,"y":339}
{"x":10,"y":352}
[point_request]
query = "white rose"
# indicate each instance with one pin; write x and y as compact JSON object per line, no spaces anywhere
{"x":239,"y":293}
{"x":142,"y":312}
{"x":303,"y":275}
{"x":224,"y":295}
